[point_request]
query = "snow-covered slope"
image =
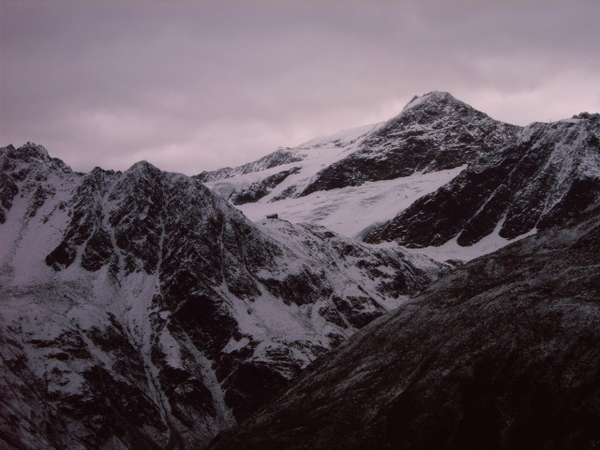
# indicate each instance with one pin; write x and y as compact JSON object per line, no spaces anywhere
{"x":441,"y":177}
{"x":353,"y":210}
{"x":358,"y":179}
{"x":138,"y":309}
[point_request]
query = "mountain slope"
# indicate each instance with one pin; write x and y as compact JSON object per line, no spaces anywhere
{"x":441,"y":177}
{"x":502,"y":353}
{"x":139,"y":309}
{"x":432,"y":133}
{"x":357,"y":179}
{"x":551,"y":173}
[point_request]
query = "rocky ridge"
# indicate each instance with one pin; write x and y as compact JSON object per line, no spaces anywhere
{"x":548,"y":175}
{"x":280,"y":157}
{"x":139,"y":309}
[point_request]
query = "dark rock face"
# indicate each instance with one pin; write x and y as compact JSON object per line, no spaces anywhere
{"x":502,"y":353}
{"x":548,"y":176}
{"x":260,"y":189}
{"x":435,"y":132}
{"x":251,"y":385}
{"x":8,"y":190}
{"x":150,"y":313}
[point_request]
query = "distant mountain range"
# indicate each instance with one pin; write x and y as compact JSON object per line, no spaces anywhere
{"x":151,"y":309}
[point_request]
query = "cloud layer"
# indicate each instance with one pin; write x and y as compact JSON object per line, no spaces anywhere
{"x":192,"y":86}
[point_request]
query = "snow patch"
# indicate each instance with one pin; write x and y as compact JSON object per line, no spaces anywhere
{"x":348,"y":211}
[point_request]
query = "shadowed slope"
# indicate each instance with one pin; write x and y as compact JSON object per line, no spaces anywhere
{"x":501,"y":354}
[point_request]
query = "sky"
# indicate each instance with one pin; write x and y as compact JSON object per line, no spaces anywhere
{"x":198,"y":85}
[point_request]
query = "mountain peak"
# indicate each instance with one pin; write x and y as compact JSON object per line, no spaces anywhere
{"x":142,"y":167}
{"x":587,"y":115}
{"x":431,"y":99}
{"x":29,"y":151}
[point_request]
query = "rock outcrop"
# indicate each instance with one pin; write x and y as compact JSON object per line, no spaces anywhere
{"x":550,"y":174}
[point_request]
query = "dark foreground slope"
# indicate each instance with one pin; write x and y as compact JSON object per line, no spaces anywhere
{"x":503,"y":353}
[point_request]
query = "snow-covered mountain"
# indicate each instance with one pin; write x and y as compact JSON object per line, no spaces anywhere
{"x":138,"y":309}
{"x":356,"y":179}
{"x":548,"y":175}
{"x":503,"y":353}
{"x":441,"y":177}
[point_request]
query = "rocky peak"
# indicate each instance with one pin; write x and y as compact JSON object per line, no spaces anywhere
{"x":31,"y":151}
{"x":142,"y":168}
{"x":587,"y":115}
{"x":549,"y":174}
{"x":30,"y":154}
{"x":435,"y":100}
{"x":167,"y":315}
{"x":432,"y":133}
{"x":438,"y":111}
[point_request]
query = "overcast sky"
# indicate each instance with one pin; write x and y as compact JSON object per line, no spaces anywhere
{"x":192,"y":86}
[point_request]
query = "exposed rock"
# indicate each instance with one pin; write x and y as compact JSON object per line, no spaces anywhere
{"x":260,"y":189}
{"x":277,"y":158}
{"x":551,"y":174}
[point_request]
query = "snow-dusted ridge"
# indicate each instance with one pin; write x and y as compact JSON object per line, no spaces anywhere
{"x":310,"y":157}
{"x":440,"y":176}
{"x":138,"y":308}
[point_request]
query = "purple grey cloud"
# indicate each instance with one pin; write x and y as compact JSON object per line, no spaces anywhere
{"x":191,"y":86}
